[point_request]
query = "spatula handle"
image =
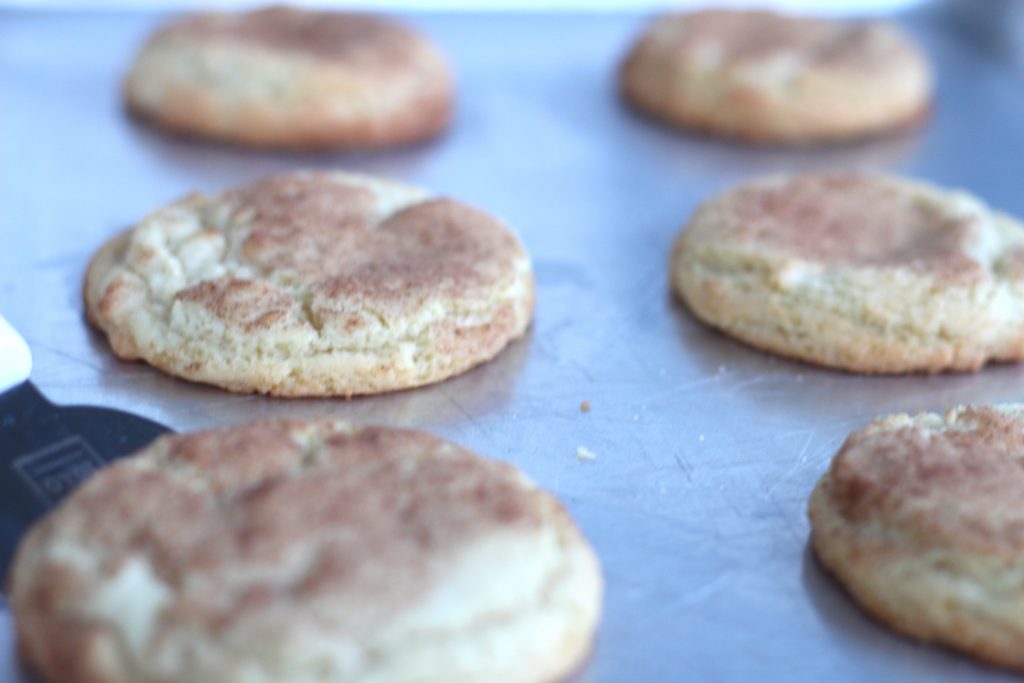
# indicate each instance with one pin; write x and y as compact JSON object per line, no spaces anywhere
{"x":15,"y":358}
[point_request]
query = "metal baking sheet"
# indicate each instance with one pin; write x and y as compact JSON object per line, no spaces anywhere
{"x":706,"y":449}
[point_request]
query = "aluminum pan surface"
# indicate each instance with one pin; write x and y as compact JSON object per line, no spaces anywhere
{"x":706,"y":450}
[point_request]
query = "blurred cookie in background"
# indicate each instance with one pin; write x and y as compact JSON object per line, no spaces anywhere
{"x":764,"y":77}
{"x":292,"y":78}
{"x":306,"y":551}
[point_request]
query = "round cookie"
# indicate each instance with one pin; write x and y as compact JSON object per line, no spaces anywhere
{"x":312,"y":284}
{"x":865,"y":273}
{"x":291,"y":78}
{"x":922,"y":519}
{"x":766,"y":77}
{"x":301,"y":551}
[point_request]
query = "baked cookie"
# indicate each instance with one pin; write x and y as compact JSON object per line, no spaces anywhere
{"x":922,"y":519}
{"x":291,"y":78}
{"x":766,"y":77}
{"x":301,"y":551}
{"x":860,"y":272}
{"x":312,"y":284}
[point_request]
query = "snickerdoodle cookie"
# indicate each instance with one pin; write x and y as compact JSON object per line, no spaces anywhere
{"x":922,"y":519}
{"x":305,"y":551}
{"x":767,"y":77}
{"x":855,"y":271}
{"x":292,"y":78}
{"x":312,"y":284}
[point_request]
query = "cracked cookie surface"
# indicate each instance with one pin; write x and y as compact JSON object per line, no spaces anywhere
{"x":312,"y":284}
{"x":293,"y":550}
{"x":921,"y":518}
{"x":856,"y":271}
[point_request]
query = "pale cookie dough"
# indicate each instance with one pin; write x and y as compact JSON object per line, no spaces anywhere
{"x":866,"y":273}
{"x":766,"y":77}
{"x":293,"y":552}
{"x":922,"y":519}
{"x":312,"y":284}
{"x":292,"y":78}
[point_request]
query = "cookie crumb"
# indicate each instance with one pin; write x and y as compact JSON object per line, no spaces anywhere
{"x":584,"y":453}
{"x":585,"y":407}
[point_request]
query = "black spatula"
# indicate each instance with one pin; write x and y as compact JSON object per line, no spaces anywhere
{"x":47,"y":450}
